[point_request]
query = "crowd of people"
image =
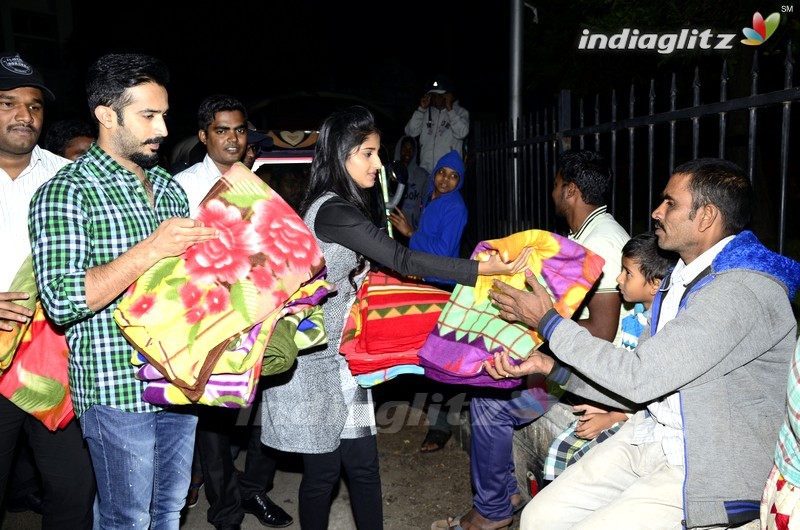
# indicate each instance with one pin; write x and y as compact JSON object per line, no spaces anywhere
{"x":675,"y":364}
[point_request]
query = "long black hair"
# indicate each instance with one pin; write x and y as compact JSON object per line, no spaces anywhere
{"x":340,"y":135}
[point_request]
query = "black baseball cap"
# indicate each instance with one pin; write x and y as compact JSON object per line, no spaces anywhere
{"x":439,"y":84}
{"x":15,"y":72}
{"x":257,"y":137}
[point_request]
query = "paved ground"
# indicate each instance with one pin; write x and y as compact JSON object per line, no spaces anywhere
{"x":417,"y":488}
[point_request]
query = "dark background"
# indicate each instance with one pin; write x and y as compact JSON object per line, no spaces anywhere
{"x":263,"y":52}
{"x":292,"y":63}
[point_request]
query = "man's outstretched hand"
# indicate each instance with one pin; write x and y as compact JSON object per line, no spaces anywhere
{"x":514,"y":304}
{"x":535,"y":363}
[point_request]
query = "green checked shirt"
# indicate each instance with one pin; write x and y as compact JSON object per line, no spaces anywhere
{"x":87,"y":215}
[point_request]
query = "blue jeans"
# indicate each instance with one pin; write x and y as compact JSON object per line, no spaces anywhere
{"x":491,"y":447}
{"x":142,"y":462}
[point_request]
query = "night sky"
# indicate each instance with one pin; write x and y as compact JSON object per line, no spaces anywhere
{"x":264,"y":50}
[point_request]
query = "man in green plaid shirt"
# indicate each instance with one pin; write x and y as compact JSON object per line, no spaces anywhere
{"x":96,"y":227}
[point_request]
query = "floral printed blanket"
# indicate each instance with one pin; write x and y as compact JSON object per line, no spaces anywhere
{"x":186,"y":311}
{"x":37,"y":380}
{"x":23,"y":282}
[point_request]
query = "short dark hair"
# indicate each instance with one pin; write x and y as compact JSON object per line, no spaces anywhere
{"x":61,"y":132}
{"x":589,"y":171}
{"x":723,"y":184}
{"x":112,"y":75}
{"x":654,"y":262}
{"x":217,"y":103}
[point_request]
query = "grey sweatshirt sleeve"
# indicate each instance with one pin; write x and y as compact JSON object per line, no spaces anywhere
{"x":725,"y":324}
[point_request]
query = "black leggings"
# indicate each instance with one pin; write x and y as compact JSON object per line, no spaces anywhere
{"x":321,"y":474}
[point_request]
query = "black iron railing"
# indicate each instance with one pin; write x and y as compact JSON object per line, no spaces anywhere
{"x":510,"y":189}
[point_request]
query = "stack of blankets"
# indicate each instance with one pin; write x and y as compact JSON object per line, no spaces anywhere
{"x":400,"y":326}
{"x":202,"y":322}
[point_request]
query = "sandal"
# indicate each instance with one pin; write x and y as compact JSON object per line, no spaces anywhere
{"x":454,"y":523}
{"x":434,"y":441}
{"x":193,"y":497}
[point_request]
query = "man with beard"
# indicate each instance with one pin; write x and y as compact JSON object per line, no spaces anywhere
{"x":95,"y":228}
{"x":61,"y":456}
{"x":710,"y":369}
{"x":222,"y":128}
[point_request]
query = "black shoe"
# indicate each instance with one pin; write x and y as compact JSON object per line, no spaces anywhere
{"x":236,"y":526}
{"x":31,"y":501}
{"x":267,"y":512}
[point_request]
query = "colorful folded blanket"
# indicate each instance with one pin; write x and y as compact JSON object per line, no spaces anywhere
{"x":389,"y":322}
{"x":381,"y":376}
{"x":470,"y":330}
{"x":237,"y":388}
{"x":37,"y":380}
{"x":186,"y":311}
{"x":23,"y":282}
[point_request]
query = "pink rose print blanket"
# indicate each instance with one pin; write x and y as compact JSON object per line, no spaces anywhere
{"x":183,"y":313}
{"x":470,"y":330}
{"x":234,"y":381}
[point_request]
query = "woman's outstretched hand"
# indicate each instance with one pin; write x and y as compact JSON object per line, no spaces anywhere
{"x":496,"y":265}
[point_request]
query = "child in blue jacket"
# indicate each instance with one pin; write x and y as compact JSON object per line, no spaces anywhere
{"x":444,"y":213}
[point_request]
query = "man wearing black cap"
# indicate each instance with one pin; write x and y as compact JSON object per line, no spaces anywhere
{"x":256,"y":142}
{"x":223,"y":129}
{"x":440,"y":121}
{"x":61,"y":456}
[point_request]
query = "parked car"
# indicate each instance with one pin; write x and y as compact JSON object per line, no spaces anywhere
{"x":286,"y":167}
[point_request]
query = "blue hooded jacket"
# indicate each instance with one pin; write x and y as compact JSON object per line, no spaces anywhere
{"x":443,"y":219}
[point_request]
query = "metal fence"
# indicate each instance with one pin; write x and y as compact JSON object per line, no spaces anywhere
{"x":510,"y":190}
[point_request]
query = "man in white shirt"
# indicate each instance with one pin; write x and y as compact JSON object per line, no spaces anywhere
{"x":61,"y":456}
{"x":440,"y":122}
{"x":222,"y":122}
{"x":581,"y":185}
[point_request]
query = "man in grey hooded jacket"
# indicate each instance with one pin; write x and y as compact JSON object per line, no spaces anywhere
{"x":708,"y":372}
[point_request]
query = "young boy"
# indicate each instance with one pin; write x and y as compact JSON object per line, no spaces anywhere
{"x":643,"y":268}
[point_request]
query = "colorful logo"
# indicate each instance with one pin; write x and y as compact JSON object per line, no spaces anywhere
{"x":762,"y":29}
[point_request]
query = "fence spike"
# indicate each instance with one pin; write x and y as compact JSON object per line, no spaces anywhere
{"x":723,"y":81}
{"x":597,"y":109}
{"x":613,"y":104}
{"x":631,"y":101}
{"x":673,"y":93}
{"x":754,"y":75}
{"x":652,"y":96}
{"x":696,"y":86}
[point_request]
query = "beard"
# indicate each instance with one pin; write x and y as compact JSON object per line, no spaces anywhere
{"x":130,"y":148}
{"x":143,"y":160}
